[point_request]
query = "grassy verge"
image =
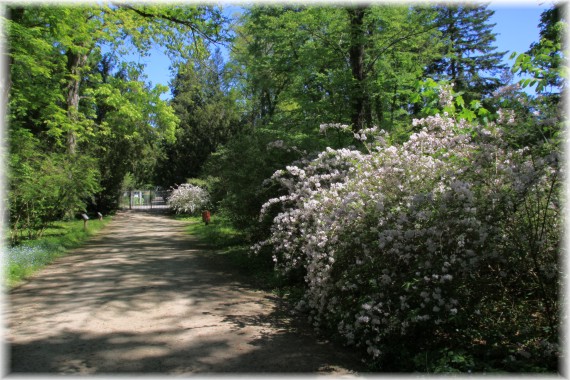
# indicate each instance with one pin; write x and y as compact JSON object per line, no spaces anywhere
{"x":232,"y":246}
{"x":219,"y":233}
{"x":25,"y":259}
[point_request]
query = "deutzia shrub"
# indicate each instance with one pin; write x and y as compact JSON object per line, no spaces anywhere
{"x":440,"y":237}
{"x":188,"y":199}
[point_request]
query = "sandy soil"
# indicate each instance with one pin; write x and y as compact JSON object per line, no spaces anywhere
{"x":143,"y":296}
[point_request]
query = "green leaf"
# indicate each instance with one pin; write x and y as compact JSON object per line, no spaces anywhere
{"x":459,"y":101}
{"x":483,"y":112}
{"x":475,"y":104}
{"x":467,"y":114}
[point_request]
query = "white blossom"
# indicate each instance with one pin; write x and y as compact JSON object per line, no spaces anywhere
{"x":188,"y":198}
{"x":397,"y":228}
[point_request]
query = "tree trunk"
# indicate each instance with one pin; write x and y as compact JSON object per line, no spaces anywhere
{"x":75,"y":64}
{"x":379,"y":110}
{"x":359,"y":100}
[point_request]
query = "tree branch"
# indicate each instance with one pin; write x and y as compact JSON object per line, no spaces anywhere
{"x":398,"y":40}
{"x":193,"y":28}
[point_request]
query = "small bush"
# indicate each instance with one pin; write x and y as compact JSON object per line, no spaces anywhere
{"x":188,"y":199}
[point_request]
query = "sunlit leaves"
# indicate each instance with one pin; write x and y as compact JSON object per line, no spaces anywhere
{"x":544,"y":61}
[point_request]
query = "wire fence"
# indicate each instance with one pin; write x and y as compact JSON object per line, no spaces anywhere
{"x":144,"y":199}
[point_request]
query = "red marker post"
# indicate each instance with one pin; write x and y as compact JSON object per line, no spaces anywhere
{"x":206,"y":217}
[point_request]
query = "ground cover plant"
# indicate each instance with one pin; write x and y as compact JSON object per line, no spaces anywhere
{"x":449,"y":239}
{"x":219,"y":233}
{"x":24,"y":259}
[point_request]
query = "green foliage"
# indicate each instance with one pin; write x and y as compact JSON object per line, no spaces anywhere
{"x":219,"y":233}
{"x":67,"y":95}
{"x":208,"y":116}
{"x":237,"y":173}
{"x":43,"y":188}
{"x":293,"y":72}
{"x":133,"y":123}
{"x":544,"y":60}
{"x":429,"y":101}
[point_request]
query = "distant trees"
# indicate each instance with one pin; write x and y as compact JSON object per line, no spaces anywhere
{"x":209,"y":115}
{"x":301,"y":66}
{"x":133,"y":123}
{"x":468,"y":56}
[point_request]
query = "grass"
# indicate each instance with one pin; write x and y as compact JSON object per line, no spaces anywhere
{"x":219,"y":233}
{"x":23,"y":260}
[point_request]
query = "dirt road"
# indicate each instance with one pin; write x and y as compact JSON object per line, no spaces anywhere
{"x":143,"y":296}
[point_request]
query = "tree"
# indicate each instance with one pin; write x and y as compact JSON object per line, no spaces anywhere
{"x":43,"y":188}
{"x":133,"y":123}
{"x":360,"y":107}
{"x":302,"y":66}
{"x":469,"y":59}
{"x":208,"y":117}
{"x":543,"y":61}
{"x":77,"y":116}
{"x":64,"y":37}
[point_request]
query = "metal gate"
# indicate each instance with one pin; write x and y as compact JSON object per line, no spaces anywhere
{"x":144,"y":199}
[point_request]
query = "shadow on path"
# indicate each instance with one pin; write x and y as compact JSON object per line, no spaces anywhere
{"x":143,"y":296}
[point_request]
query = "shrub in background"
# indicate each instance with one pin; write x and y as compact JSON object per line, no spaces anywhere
{"x":188,"y":199}
{"x":238,"y":171}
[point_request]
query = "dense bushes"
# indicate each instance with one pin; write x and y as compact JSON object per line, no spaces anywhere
{"x":237,"y":173}
{"x":43,"y":188}
{"x":447,"y":240}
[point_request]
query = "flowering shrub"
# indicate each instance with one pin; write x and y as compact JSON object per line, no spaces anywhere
{"x":188,"y":199}
{"x":437,"y":237}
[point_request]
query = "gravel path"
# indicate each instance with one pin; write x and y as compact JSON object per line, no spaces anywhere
{"x":143,"y":296}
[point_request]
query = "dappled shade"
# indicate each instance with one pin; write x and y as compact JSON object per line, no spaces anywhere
{"x":144,"y":297}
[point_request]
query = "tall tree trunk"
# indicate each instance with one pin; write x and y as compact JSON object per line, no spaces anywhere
{"x":75,"y":63}
{"x":359,"y":98}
